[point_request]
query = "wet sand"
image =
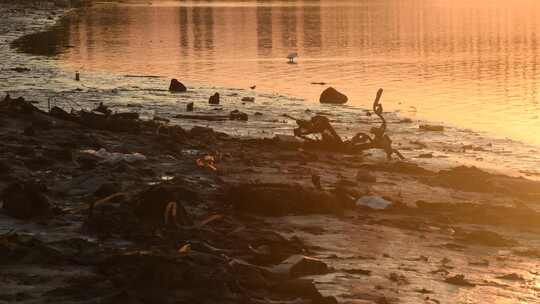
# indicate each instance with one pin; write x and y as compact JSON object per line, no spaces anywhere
{"x":239,"y":214}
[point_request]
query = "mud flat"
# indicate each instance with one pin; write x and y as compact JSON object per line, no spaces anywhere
{"x":113,"y":208}
{"x":105,"y":207}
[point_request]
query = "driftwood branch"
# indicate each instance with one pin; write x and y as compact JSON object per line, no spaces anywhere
{"x":327,"y":137}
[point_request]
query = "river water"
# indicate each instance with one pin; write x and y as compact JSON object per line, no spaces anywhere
{"x":474,"y":64}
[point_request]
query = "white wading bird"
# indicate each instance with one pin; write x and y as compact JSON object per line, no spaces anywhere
{"x":291,"y":57}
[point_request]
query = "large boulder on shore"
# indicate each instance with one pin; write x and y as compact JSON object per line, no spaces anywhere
{"x":25,"y":200}
{"x":333,"y":96}
{"x":176,"y":86}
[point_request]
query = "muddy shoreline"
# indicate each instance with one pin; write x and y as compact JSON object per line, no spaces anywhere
{"x":120,"y":209}
{"x":98,"y":198}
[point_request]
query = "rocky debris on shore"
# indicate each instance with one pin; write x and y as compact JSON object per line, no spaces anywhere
{"x":158,"y":221}
{"x":156,"y":228}
{"x":333,"y":96}
{"x":177,"y":87}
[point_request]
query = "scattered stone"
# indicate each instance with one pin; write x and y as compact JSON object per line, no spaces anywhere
{"x":431,"y":128}
{"x":332,"y":96}
{"x":25,"y":200}
{"x":426,"y":155}
{"x":189,"y":107}
{"x":248,"y":99}
{"x":214,"y":99}
{"x":459,"y":280}
{"x":237,"y":115}
{"x":176,"y":86}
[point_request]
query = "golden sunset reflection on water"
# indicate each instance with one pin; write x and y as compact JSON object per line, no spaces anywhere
{"x":473,"y":64}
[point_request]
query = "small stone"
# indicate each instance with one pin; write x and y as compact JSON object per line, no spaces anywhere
{"x":177,"y":86}
{"x":214,"y":99}
{"x":332,"y":96}
{"x":237,"y":115}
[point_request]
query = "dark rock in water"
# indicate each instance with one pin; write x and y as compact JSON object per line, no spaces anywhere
{"x":25,"y":200}
{"x":237,"y":115}
{"x":214,"y":99}
{"x":177,"y":86}
{"x":283,"y":199}
{"x":189,"y":107}
{"x":248,"y":99}
{"x":332,"y":96}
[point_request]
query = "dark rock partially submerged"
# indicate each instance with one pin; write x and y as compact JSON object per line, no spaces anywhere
{"x":214,"y":99}
{"x":176,"y":86}
{"x":333,"y":96}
